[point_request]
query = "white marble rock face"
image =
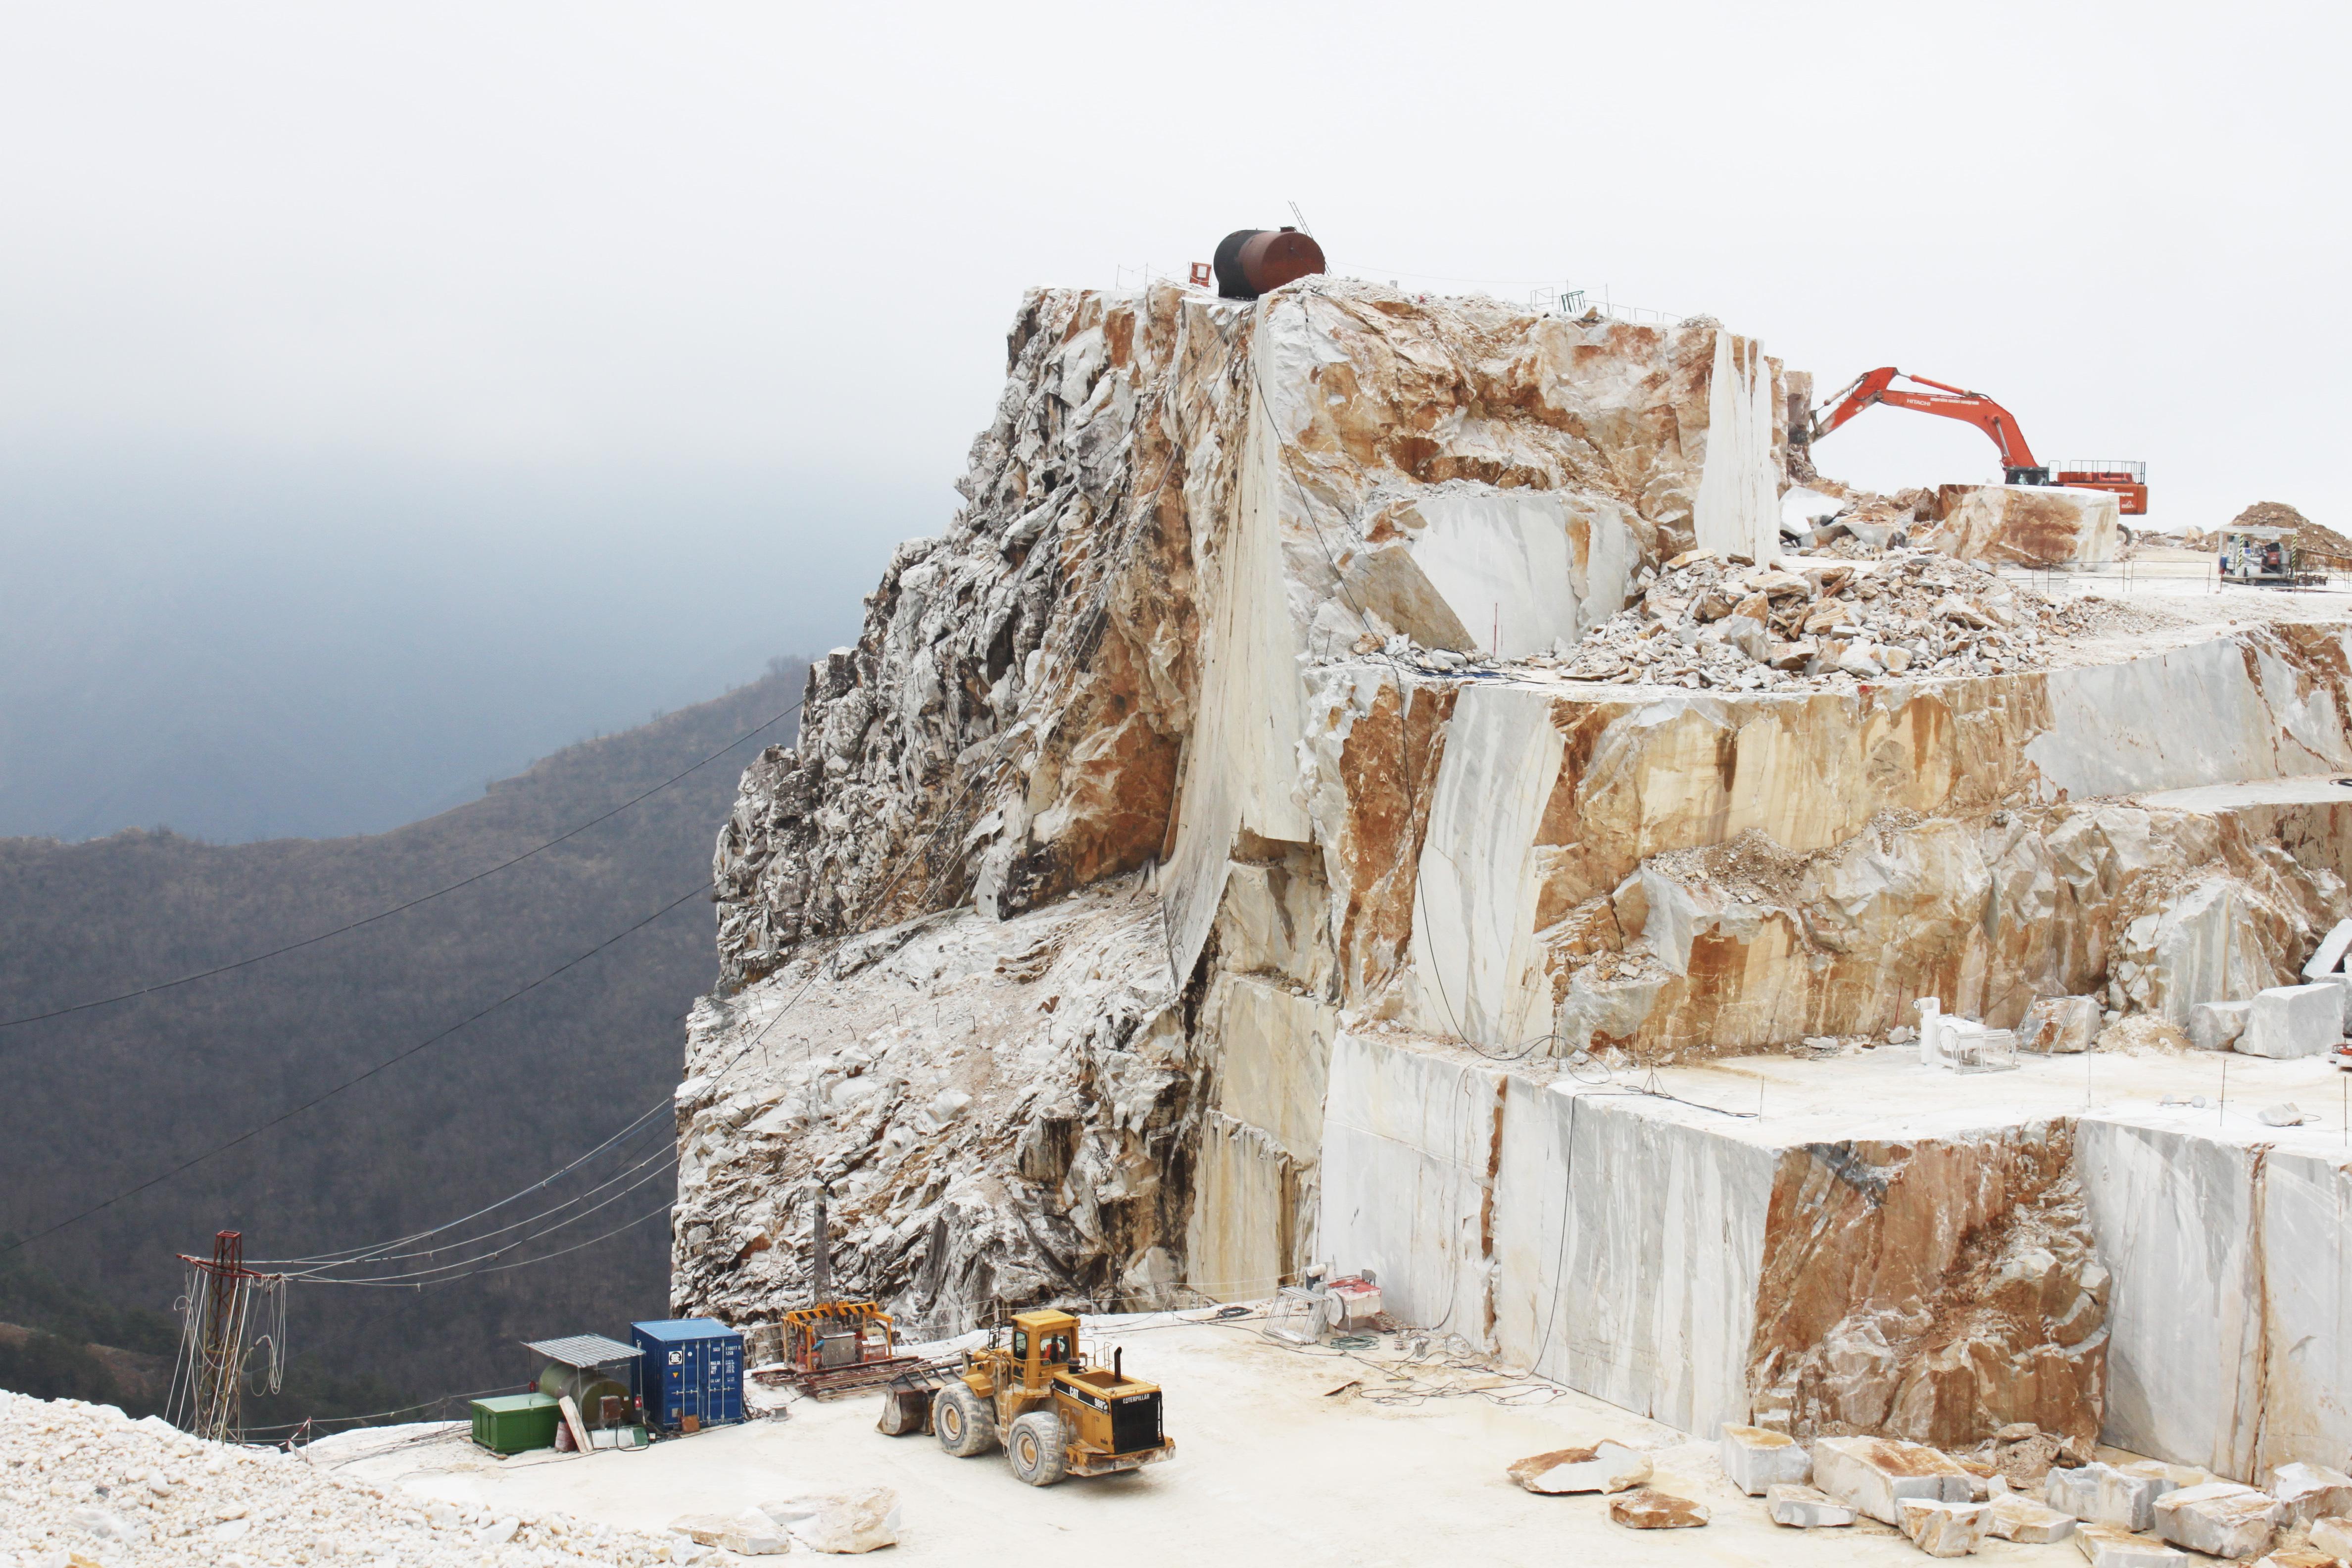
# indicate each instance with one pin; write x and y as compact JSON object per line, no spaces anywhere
{"x":1805,"y":1508}
{"x":2220,"y":1519}
{"x":1755,"y":1459}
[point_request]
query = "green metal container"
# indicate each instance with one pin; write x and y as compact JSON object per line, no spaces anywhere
{"x":516,"y":1423}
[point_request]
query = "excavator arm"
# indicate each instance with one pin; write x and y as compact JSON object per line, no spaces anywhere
{"x":1953,"y":403}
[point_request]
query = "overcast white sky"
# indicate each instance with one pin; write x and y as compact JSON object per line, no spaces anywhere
{"x":693,"y":310}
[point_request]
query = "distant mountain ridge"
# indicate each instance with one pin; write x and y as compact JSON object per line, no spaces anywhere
{"x":103,"y":1099}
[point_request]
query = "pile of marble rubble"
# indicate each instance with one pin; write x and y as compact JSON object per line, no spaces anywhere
{"x":81,"y":1483}
{"x":2025,"y":1487}
{"x":1802,"y":622}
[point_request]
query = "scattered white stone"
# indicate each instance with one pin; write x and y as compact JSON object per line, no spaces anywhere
{"x":2332,"y":1535}
{"x":170,"y":1498}
{"x":1876,"y":1474}
{"x":863,"y":1520}
{"x":2311,"y":1492}
{"x":2299,"y":1557}
{"x":1805,"y":1508}
{"x":1756,"y":1459}
{"x":753,"y":1533}
{"x":2027,"y":1523}
{"x":2220,"y":1519}
{"x":1645,"y":1509}
{"x":2108,"y":1547}
{"x":108,"y":1525}
{"x":2285,"y":1113}
{"x":1605,"y":1467}
{"x":1946,"y":1528}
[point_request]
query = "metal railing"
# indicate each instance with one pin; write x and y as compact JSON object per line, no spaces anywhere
{"x":2137,"y":470}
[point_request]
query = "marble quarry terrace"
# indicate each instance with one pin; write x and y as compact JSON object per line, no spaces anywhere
{"x":1378,"y":782}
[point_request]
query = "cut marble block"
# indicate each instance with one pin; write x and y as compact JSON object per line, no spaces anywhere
{"x":1805,"y":1508}
{"x":2311,"y":1492}
{"x":2220,"y":1519}
{"x":1946,"y":1528}
{"x":2216,"y":1025}
{"x":2027,"y":1523}
{"x":1605,"y":1467}
{"x":2108,"y":1547}
{"x":2294,"y":1021}
{"x":2127,"y":1493}
{"x":1876,"y":1474}
{"x":1647,"y":1510}
{"x":1755,"y":1459}
{"x":2332,"y":1535}
{"x":2073,"y":1492}
{"x":2060,"y":1024}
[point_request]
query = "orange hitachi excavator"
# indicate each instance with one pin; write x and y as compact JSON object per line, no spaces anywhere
{"x":2128,"y":479}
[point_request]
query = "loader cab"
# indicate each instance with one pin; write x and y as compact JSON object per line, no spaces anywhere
{"x":1043,"y":1342}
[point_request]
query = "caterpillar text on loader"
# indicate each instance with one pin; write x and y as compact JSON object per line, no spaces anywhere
{"x":1037,"y":1397}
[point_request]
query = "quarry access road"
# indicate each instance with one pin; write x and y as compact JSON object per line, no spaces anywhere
{"x":1272,"y":1467}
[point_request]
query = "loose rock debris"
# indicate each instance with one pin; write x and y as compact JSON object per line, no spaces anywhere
{"x":1811,"y":623}
{"x":1651,"y":1509}
{"x":84,"y":1482}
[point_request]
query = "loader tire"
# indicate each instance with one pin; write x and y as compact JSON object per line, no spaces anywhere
{"x":966,"y":1426}
{"x":902,"y":1413}
{"x":1035,"y":1448}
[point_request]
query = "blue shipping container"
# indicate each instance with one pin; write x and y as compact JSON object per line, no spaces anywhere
{"x":692,"y":1366}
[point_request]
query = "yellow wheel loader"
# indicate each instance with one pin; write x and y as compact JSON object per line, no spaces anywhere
{"x":1035,"y":1396}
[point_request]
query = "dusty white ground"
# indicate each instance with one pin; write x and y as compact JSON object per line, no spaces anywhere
{"x":1886,"y":1093}
{"x":1272,"y":1469}
{"x":2182,"y":588}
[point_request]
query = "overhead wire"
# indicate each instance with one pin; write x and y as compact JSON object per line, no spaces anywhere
{"x":407,"y":904}
{"x":448,"y":1273}
{"x":359,"y":1254}
{"x":319,"y":1271}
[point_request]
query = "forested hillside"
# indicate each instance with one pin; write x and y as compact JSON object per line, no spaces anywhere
{"x":101,"y":1099}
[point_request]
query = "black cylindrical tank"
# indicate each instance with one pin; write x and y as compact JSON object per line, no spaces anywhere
{"x":1255,"y":261}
